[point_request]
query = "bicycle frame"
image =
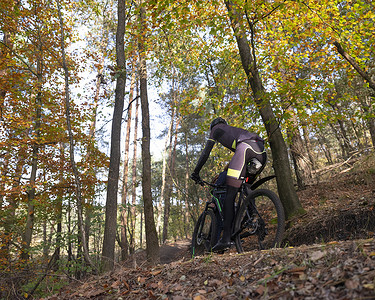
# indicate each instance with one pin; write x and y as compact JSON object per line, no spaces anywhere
{"x":245,"y":190}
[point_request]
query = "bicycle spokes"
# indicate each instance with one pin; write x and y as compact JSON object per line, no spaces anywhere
{"x":257,"y":223}
{"x":204,"y":236}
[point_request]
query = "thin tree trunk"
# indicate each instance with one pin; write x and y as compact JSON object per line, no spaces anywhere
{"x":167,"y":205}
{"x":108,"y":252}
{"x":325,"y":147}
{"x":302,"y":167}
{"x":133,"y":210}
{"x":59,"y":207}
{"x":308,"y":146}
{"x":166,"y":154}
{"x":152,"y":246}
{"x":186,"y":197}
{"x":124,"y":240}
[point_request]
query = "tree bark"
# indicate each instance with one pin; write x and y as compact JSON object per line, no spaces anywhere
{"x":167,"y":202}
{"x":108,"y":252}
{"x":308,"y":145}
{"x":164,"y":184}
{"x":124,"y":240}
{"x":152,"y":246}
{"x":133,"y":209}
{"x":287,"y":193}
{"x":187,"y":180}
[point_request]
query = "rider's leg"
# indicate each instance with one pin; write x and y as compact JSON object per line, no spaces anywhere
{"x":228,"y":209}
{"x":236,"y":169}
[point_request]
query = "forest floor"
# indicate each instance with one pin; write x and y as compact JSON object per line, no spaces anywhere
{"x":328,"y":253}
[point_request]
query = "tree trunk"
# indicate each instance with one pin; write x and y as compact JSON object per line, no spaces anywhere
{"x":308,"y":145}
{"x":281,"y":165}
{"x":133,"y":209}
{"x":124,"y":240}
{"x":164,"y":184}
{"x":186,"y":195}
{"x":108,"y":252}
{"x":302,"y":167}
{"x":167,"y":202}
{"x":325,"y":145}
{"x":152,"y":246}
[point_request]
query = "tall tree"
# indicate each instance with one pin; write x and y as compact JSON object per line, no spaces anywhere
{"x":108,"y":252}
{"x":281,"y":165}
{"x":152,"y":245}
{"x":133,"y":211}
{"x":124,"y":195}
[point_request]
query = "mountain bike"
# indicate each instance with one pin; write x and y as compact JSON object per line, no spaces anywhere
{"x":259,"y":218}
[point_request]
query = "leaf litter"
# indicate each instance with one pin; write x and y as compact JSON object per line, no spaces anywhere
{"x":332,"y":257}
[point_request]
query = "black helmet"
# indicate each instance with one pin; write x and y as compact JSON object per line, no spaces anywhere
{"x":217,"y":121}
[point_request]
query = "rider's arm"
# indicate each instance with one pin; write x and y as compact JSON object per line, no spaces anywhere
{"x":204,"y":155}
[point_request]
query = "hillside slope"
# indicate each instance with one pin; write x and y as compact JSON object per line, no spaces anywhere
{"x":329,"y":253}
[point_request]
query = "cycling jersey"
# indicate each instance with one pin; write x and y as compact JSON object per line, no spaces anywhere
{"x":230,"y":136}
{"x":245,"y":144}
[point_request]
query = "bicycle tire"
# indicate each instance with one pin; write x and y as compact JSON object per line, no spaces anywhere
{"x":205,"y":234}
{"x":260,"y":228}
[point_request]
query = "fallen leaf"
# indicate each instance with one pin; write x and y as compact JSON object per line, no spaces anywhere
{"x":317,"y":255}
{"x":153,"y":285}
{"x":260,"y":290}
{"x":154,"y":273}
{"x":116,"y":284}
{"x":297,"y":270}
{"x":369,"y":286}
{"x":141,"y":280}
{"x":151,"y":295}
{"x":351,"y":284}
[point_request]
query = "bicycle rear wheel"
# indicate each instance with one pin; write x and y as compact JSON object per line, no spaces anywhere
{"x":259,"y":222}
{"x":205,"y":233}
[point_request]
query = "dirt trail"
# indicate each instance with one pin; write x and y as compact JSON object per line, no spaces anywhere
{"x":175,"y":251}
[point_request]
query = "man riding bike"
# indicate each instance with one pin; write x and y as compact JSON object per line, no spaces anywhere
{"x":246,"y":146}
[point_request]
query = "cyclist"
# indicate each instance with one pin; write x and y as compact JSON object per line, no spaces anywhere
{"x":247,"y":146}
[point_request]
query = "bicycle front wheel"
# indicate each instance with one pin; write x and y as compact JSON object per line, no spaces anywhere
{"x":205,"y":233}
{"x":259,"y":222}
